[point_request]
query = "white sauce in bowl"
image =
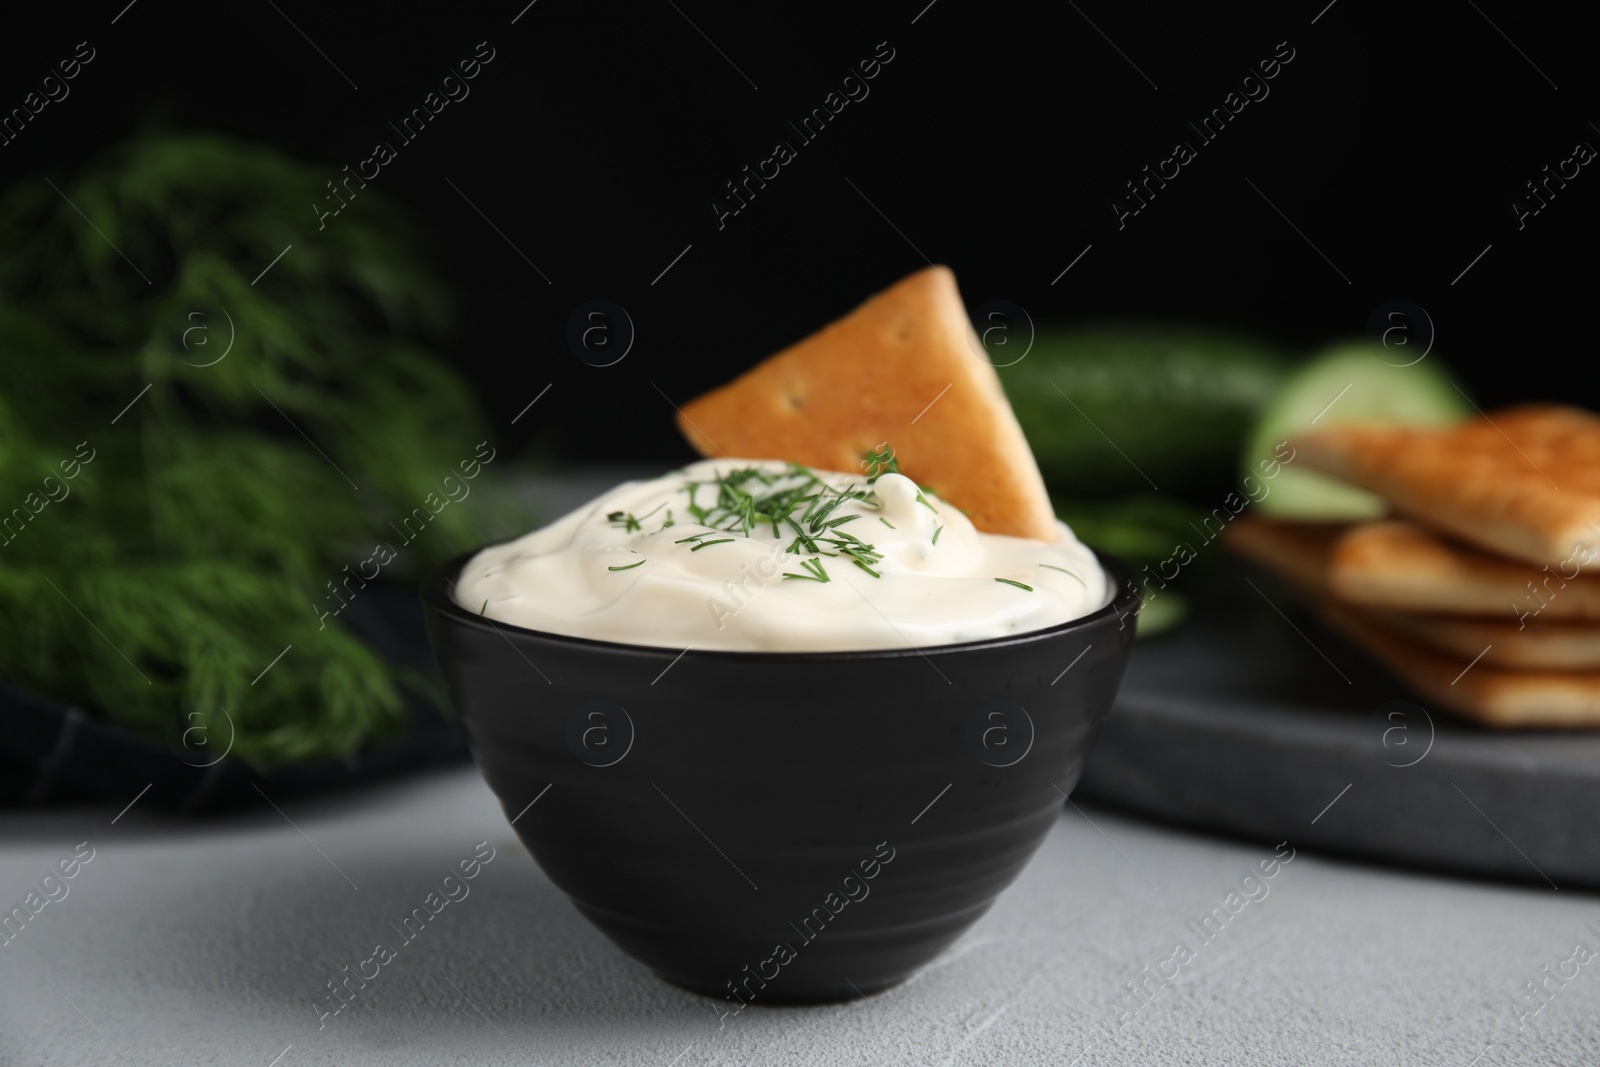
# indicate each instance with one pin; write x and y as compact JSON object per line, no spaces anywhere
{"x":754,"y":555}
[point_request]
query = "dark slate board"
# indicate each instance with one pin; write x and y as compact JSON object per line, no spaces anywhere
{"x":1236,"y":722}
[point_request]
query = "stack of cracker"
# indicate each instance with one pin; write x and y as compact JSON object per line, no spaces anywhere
{"x":1483,"y":592}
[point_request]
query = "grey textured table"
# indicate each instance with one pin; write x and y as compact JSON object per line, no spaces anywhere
{"x":212,"y":942}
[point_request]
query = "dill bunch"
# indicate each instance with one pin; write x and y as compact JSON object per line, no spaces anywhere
{"x":154,"y":562}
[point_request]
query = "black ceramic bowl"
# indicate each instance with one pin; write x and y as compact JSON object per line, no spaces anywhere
{"x":775,"y":827}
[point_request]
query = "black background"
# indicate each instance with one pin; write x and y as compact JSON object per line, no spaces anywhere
{"x":994,"y":142}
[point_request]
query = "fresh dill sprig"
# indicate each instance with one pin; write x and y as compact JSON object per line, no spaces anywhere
{"x":206,"y":535}
{"x":796,"y":504}
{"x":801,"y":541}
{"x":629,"y":567}
{"x":1063,"y":570}
{"x":708,"y":544}
{"x":814,"y":569}
{"x":880,"y":461}
{"x":1019,"y":585}
{"x":937,"y":530}
{"x":856,"y":551}
{"x":749,"y":498}
{"x":628,"y":522}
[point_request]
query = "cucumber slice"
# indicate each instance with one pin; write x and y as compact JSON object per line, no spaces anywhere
{"x":1349,"y":383}
{"x":1160,"y":614}
{"x":1110,"y":410}
{"x":1142,"y":529}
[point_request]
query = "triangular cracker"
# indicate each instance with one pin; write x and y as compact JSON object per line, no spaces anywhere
{"x":903,"y":368}
{"x":1296,"y":551}
{"x":1534,"y":645}
{"x":1401,"y":566}
{"x":1492,"y":696}
{"x":1406,"y":567}
{"x":1500,"y":671}
{"x":1523,"y":482}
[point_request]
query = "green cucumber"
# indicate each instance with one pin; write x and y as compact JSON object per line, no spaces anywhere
{"x":1143,"y":531}
{"x":1161,"y":614}
{"x":1111,"y":411}
{"x":1348,"y":383}
{"x":1139,"y":529}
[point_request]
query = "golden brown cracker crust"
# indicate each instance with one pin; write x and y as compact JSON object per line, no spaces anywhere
{"x":1500,"y":670}
{"x":903,"y":368}
{"x":1531,"y":645}
{"x":1491,"y":696}
{"x":1403,"y":566}
{"x":1524,"y":482}
{"x":1297,"y":551}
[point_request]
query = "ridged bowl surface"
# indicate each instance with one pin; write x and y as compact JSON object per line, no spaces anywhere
{"x":781,"y":827}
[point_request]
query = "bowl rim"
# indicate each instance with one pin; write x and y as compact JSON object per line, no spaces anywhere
{"x":1126,"y":601}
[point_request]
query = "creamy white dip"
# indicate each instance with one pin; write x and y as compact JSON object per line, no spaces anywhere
{"x":756,"y":555}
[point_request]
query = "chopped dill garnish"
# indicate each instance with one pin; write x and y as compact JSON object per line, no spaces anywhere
{"x":484,"y":608}
{"x":1019,"y":585}
{"x":924,"y":502}
{"x":801,"y":541}
{"x":797,"y":505}
{"x":880,"y":461}
{"x":937,"y":530}
{"x":629,"y":522}
{"x":629,"y":567}
{"x":856,"y":551}
{"x":1064,"y":570}
{"x":750,"y":498}
{"x":815,"y":573}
